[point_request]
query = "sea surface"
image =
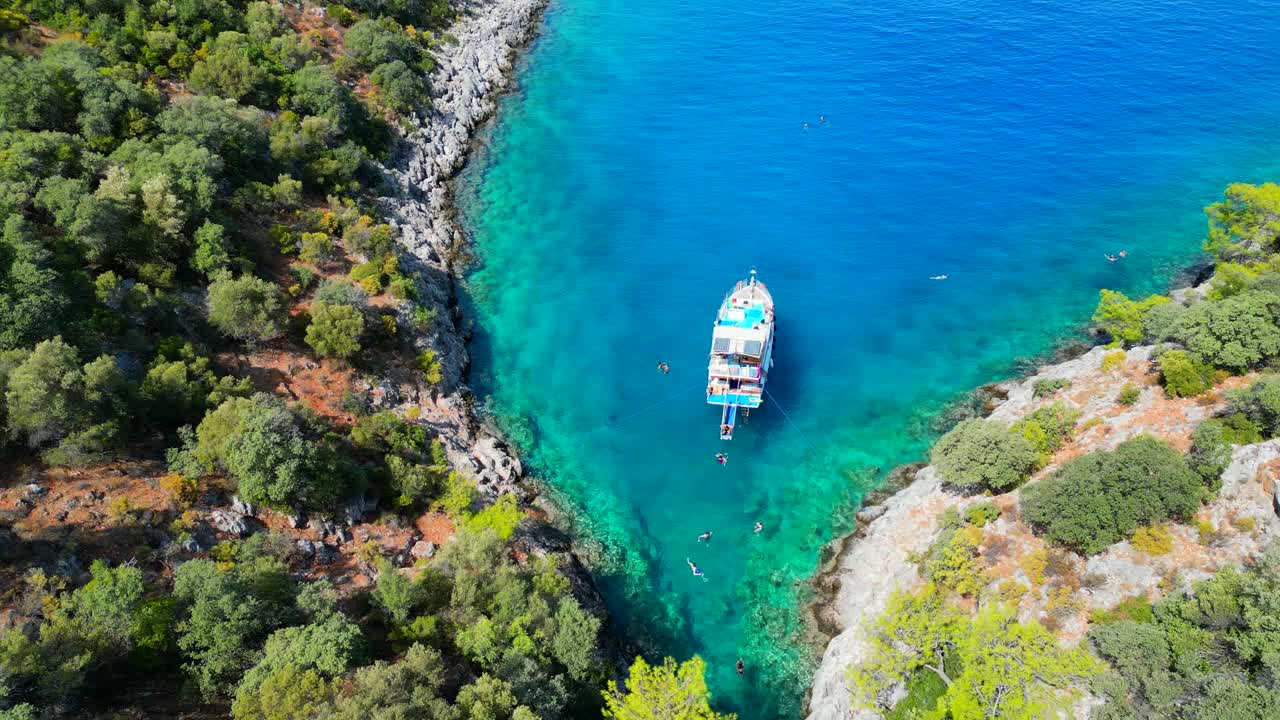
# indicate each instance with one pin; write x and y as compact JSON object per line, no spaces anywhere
{"x":656,"y":152}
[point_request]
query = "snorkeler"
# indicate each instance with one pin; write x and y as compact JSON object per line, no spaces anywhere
{"x":722,"y":458}
{"x":706,"y":536}
{"x":741,"y":667}
{"x":937,"y":277}
{"x":759,"y":527}
{"x":694,"y":568}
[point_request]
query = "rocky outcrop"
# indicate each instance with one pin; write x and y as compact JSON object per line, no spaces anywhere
{"x":876,"y":560}
{"x":472,"y":71}
{"x":475,"y":65}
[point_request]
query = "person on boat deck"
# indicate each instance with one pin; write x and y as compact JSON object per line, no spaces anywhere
{"x":694,"y":568}
{"x":722,"y":458}
{"x":706,"y":536}
{"x":741,"y":666}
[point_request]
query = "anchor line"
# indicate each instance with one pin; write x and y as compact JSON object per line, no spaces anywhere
{"x":612,"y":424}
{"x":778,"y":405}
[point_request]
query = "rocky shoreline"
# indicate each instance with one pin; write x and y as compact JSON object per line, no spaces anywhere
{"x":476,"y":65}
{"x":898,"y":523}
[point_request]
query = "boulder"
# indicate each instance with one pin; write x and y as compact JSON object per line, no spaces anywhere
{"x":423,"y":549}
{"x":231,"y":523}
{"x":326,"y":553}
{"x":867,"y":514}
{"x":34,"y":490}
{"x":356,"y":508}
{"x":241,"y":507}
{"x":306,"y":548}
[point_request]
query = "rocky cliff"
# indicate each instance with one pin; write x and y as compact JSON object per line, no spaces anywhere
{"x":475,"y":65}
{"x":877,"y":560}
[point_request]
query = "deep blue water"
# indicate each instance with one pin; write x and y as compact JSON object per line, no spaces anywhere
{"x":657,"y":151}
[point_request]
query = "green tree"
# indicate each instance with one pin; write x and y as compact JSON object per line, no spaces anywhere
{"x":1012,"y":669}
{"x":408,"y":688}
{"x":328,"y":647}
{"x":916,"y":631}
{"x":286,"y":694}
{"x":246,"y":307}
{"x":226,"y":616}
{"x":400,"y":86}
{"x":1182,"y":375}
{"x":1101,"y":498}
{"x":1246,"y":223}
{"x":1121,"y":317}
{"x":1237,"y":333}
{"x":231,"y":68}
{"x":45,"y":393}
{"x":984,"y":453}
{"x":1210,"y":452}
{"x":397,"y":595}
{"x":335,"y":330}
{"x":211,"y":253}
{"x":662,"y":692}
{"x":1259,"y":403}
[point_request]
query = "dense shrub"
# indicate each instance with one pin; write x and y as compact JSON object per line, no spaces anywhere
{"x":1246,"y":223}
{"x":1101,"y":498}
{"x":266,"y":449}
{"x":1129,"y":394}
{"x":1047,"y":428}
{"x":246,"y":308}
{"x":1207,"y":654}
{"x":1182,"y":375}
{"x":1236,"y":334}
{"x":1210,"y":452}
{"x":335,"y":330}
{"x":1045,"y":388}
{"x":984,"y":453}
{"x":1121,"y":317}
{"x":1259,"y":404}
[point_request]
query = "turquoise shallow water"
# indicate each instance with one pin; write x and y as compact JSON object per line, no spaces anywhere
{"x":656,"y":152}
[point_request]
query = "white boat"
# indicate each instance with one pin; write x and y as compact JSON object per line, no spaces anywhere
{"x":741,"y":352}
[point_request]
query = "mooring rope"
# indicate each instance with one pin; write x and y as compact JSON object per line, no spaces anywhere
{"x":788,"y":417}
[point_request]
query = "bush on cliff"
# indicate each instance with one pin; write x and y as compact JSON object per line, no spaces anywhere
{"x":1182,"y":375}
{"x":246,"y":308}
{"x":662,"y":691}
{"x":1236,"y":334}
{"x":1259,"y":404}
{"x":1003,"y":668}
{"x":1246,"y":223}
{"x":1121,"y":317}
{"x":1047,"y":429}
{"x":984,"y":453}
{"x":1205,"y":655}
{"x":1099,"y":499}
{"x":1210,"y":452}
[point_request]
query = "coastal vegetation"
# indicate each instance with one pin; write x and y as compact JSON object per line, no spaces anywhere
{"x":188,"y":193}
{"x":1193,"y":652}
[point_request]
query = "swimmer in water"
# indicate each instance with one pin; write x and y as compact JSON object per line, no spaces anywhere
{"x":722,"y":458}
{"x":937,"y":277}
{"x":741,"y":667}
{"x":706,"y":536}
{"x":1112,"y":258}
{"x":806,"y":126}
{"x":1124,"y":253}
{"x":759,"y":527}
{"x":694,"y":568}
{"x":822,"y":118}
